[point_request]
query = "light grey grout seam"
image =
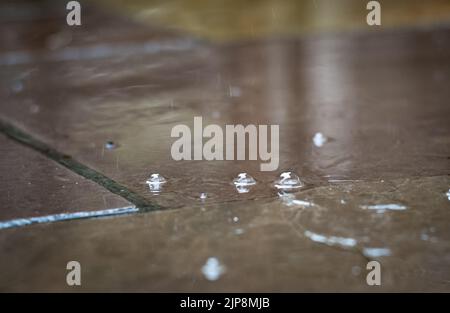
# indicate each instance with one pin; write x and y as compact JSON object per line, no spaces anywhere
{"x":141,"y":205}
{"x":66,"y":216}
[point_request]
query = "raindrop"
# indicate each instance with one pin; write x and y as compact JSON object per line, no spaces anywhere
{"x":110,"y":145}
{"x":212,"y":270}
{"x":448,"y":194}
{"x":203,"y":195}
{"x":156,"y":179}
{"x":244,"y":179}
{"x":288,"y":180}
{"x":155,"y":183}
{"x":319,"y":139}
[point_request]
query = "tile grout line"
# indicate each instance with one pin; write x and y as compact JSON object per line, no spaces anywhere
{"x":73,"y":165}
{"x":19,"y":222}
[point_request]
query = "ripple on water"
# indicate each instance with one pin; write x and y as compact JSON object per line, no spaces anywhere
{"x":376,"y":252}
{"x":331,"y":240}
{"x":381,"y":208}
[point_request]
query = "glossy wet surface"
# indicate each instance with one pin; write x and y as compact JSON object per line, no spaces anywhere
{"x":34,"y":186}
{"x":277,"y":244}
{"x":375,"y":179}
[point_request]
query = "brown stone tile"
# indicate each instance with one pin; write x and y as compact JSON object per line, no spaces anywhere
{"x":278,"y":245}
{"x":33,"y":186}
{"x":381,"y":98}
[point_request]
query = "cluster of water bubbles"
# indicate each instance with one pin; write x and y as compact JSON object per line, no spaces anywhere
{"x":243,"y":182}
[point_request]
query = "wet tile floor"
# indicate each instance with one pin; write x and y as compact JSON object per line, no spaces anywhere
{"x":376,"y":190}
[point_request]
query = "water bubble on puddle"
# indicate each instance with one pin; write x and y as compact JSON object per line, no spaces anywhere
{"x":319,"y":139}
{"x":448,"y":195}
{"x":156,"y":179}
{"x":288,"y":180}
{"x":235,"y":219}
{"x":376,"y":252}
{"x":213,"y":269}
{"x":203,"y":195}
{"x":244,"y":179}
{"x":110,"y":145}
{"x":155,"y":183}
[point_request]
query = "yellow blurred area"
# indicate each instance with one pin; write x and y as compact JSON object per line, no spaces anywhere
{"x":223,"y":20}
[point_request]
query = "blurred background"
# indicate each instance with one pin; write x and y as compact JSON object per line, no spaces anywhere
{"x":233,"y":20}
